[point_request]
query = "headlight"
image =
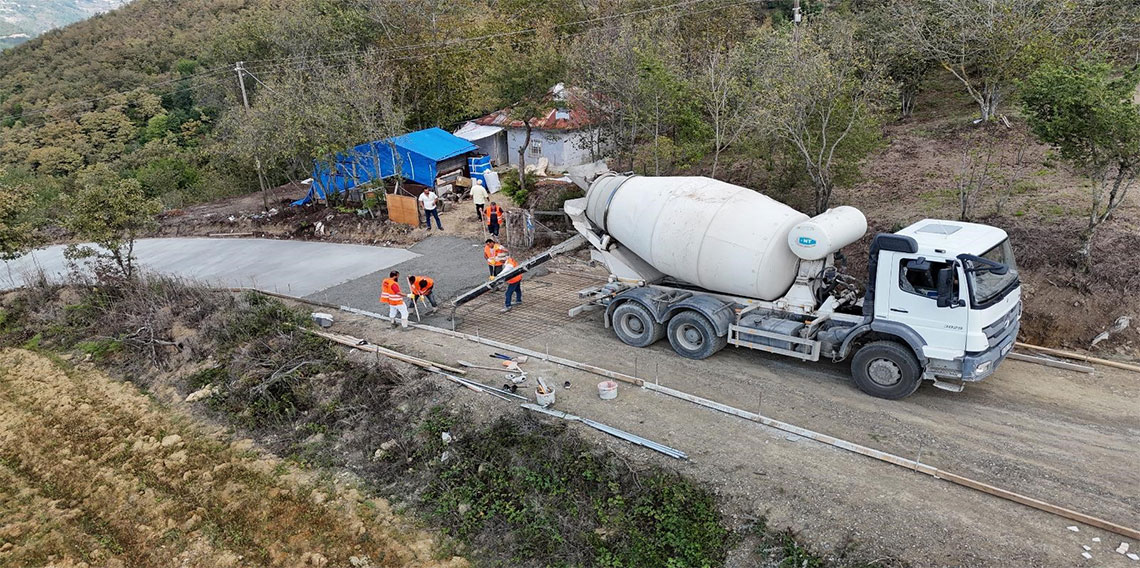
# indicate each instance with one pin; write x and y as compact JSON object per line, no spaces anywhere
{"x":984,"y":367}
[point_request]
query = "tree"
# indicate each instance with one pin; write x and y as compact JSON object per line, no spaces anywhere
{"x":822,"y":95}
{"x":311,"y":114}
{"x":1089,"y":114}
{"x":906,"y":62}
{"x":522,"y":82}
{"x":110,"y":212}
{"x":986,"y":44}
{"x":16,"y":231}
{"x":726,"y":97}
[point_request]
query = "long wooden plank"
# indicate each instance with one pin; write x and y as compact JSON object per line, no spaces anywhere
{"x":904,"y":462}
{"x":1050,"y":363}
{"x":354,"y":342}
{"x":1080,"y":357}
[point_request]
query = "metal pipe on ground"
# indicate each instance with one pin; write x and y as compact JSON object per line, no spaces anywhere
{"x":618,"y":433}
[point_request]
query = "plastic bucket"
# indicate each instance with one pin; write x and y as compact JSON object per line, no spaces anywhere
{"x":607,"y":390}
{"x":544,"y":399}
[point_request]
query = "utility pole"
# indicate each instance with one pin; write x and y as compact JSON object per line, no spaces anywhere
{"x":240,"y":69}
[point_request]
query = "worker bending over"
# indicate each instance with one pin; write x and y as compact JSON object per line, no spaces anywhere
{"x":422,"y":288}
{"x":514,"y":285}
{"x":495,"y":255}
{"x":390,"y":294}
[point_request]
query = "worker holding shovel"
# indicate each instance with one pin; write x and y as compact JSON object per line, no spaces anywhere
{"x":422,"y":288}
{"x":390,"y":294}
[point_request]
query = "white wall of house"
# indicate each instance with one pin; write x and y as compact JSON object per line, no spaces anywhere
{"x":561,"y":148}
{"x":495,"y":146}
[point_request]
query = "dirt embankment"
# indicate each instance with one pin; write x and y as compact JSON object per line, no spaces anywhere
{"x":94,"y":473}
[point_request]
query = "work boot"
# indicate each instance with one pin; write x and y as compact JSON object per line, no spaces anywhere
{"x":505,"y":310}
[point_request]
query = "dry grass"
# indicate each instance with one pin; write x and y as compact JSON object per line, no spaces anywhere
{"x":92,"y":472}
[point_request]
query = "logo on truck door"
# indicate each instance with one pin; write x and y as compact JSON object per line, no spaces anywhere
{"x":807,"y":241}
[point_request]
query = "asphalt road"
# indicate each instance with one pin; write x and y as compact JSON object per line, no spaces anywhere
{"x":298,"y":268}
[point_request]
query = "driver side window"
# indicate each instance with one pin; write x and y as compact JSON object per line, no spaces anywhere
{"x":923,"y":282}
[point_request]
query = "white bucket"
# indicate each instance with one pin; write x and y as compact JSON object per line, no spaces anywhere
{"x":544,"y":399}
{"x":607,"y":390}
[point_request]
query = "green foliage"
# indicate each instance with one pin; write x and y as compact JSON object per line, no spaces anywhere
{"x":167,"y":176}
{"x":1089,"y":114}
{"x":16,"y":232}
{"x":100,"y":348}
{"x":517,"y":194}
{"x":110,"y":212}
{"x":1086,"y":111}
{"x":823,"y":96}
{"x":560,"y":500}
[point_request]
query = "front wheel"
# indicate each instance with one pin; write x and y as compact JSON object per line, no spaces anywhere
{"x":886,"y":369}
{"x":693,"y":336}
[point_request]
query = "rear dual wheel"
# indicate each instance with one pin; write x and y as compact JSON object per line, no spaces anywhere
{"x":693,"y":336}
{"x":634,"y":325}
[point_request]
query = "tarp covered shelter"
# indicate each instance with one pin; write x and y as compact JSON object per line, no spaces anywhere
{"x":414,"y":156}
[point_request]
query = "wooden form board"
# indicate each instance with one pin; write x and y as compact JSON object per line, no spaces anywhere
{"x":403,"y":209}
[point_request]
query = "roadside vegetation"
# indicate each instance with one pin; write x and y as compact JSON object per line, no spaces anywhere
{"x":505,"y":490}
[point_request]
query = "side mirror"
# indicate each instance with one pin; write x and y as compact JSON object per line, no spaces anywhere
{"x":947,"y":294}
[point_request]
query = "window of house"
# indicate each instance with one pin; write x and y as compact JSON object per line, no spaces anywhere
{"x":535,"y":147}
{"x":923,"y":282}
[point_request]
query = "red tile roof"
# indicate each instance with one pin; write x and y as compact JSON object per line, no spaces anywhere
{"x":567,"y":111}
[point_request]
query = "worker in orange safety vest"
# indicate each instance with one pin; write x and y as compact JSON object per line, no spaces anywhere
{"x":422,"y":288}
{"x":514,"y":284}
{"x":493,"y":216}
{"x":390,"y":294}
{"x":495,"y":255}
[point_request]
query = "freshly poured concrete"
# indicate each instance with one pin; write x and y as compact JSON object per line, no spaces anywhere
{"x":297,"y":268}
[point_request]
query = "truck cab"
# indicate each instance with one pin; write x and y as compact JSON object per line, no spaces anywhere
{"x":950,"y":291}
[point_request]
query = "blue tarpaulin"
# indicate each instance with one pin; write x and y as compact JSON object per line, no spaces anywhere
{"x":413,"y":155}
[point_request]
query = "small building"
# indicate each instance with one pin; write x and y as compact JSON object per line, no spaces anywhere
{"x":491,"y":141}
{"x":566,"y":134}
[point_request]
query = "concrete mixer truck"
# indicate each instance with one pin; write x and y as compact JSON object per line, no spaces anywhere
{"x":707,"y":264}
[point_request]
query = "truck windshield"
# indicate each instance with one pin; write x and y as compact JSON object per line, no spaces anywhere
{"x":987,"y":287}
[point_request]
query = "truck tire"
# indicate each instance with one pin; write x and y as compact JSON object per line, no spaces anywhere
{"x":886,"y":369}
{"x":634,"y":325}
{"x":693,"y":336}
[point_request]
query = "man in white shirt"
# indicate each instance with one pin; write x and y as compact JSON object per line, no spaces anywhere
{"x":479,"y":197}
{"x":428,"y":198}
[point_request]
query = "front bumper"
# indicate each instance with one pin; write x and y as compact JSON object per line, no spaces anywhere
{"x":978,"y":366}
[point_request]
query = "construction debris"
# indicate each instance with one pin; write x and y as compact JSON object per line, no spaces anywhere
{"x":322,"y":319}
{"x":364,"y":345}
{"x":1122,"y":549}
{"x":671,"y":452}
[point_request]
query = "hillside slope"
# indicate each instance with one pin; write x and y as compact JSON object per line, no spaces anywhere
{"x":21,"y":21}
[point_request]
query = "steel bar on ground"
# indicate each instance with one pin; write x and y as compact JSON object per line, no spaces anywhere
{"x":1050,"y":363}
{"x":671,"y":452}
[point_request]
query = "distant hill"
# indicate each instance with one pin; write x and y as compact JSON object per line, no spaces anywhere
{"x":21,"y":20}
